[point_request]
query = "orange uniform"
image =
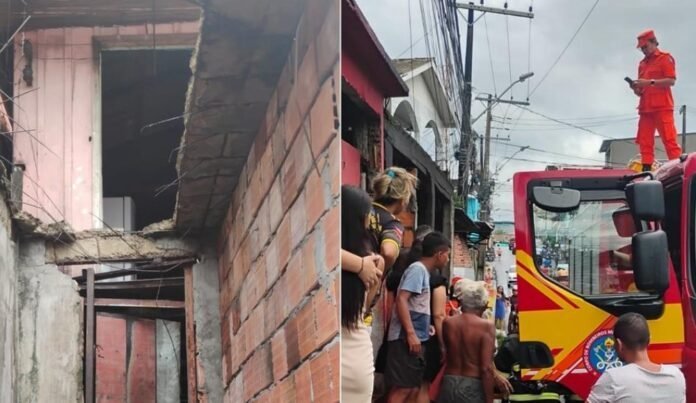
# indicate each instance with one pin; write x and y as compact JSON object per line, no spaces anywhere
{"x":656,"y":108}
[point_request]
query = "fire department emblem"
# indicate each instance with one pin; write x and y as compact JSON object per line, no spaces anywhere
{"x":599,"y":353}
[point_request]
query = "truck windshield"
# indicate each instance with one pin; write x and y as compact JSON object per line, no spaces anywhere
{"x":587,"y":250}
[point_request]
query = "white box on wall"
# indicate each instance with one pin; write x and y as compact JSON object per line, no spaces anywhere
{"x":119,"y":215}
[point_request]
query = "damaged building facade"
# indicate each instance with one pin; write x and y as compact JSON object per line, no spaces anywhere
{"x":170,"y":201}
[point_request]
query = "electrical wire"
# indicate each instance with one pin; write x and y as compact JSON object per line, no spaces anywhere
{"x":490,"y":56}
{"x":539,"y":150}
{"x":573,"y":125}
{"x":507,"y":29}
{"x":572,"y":38}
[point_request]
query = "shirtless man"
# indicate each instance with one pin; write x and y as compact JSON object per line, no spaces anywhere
{"x":470,"y":344}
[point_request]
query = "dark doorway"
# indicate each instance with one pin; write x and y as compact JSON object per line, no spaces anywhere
{"x":141,"y":90}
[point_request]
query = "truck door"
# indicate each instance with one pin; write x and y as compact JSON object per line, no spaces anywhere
{"x":688,"y":247}
{"x":575,"y":277}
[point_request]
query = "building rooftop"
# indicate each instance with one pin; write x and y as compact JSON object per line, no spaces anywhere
{"x":606,"y":143}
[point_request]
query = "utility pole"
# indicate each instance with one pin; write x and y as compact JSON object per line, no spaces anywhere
{"x":485,"y":190}
{"x":682,"y":110}
{"x":467,"y":141}
{"x":485,"y":180}
{"x":466,"y":134}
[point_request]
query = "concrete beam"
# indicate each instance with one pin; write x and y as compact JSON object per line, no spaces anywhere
{"x":99,"y":247}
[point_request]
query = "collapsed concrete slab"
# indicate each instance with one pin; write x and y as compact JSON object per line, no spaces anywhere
{"x":91,"y":247}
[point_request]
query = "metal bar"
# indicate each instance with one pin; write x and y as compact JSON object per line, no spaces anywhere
{"x":138,"y":303}
{"x":190,"y":335}
{"x":150,"y":268}
{"x":495,"y":10}
{"x":503,"y":101}
{"x":90,"y":338}
{"x":136,"y":284}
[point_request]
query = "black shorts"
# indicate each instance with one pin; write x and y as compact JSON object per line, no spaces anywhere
{"x":403,"y":369}
{"x":433,"y":359}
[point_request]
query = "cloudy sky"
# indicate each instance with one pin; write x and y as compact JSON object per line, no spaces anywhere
{"x":585,"y":88}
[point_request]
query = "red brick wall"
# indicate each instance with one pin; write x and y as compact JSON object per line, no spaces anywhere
{"x":461,"y":252}
{"x":279,"y":246}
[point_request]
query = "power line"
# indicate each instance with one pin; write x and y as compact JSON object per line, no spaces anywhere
{"x":539,"y":150}
{"x":568,"y":119}
{"x":577,"y":31}
{"x":490,"y":55}
{"x":567,"y":123}
{"x":507,"y":29}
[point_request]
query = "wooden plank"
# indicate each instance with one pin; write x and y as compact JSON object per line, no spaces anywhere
{"x":111,"y":361}
{"x":138,"y":303}
{"x":141,"y":373}
{"x":190,"y":335}
{"x":90,"y":333}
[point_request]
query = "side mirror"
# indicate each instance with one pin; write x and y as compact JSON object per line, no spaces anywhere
{"x":646,"y":199}
{"x":556,"y":199}
{"x":650,"y":261}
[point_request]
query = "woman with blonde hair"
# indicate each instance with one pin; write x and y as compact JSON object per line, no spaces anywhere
{"x":392,"y":191}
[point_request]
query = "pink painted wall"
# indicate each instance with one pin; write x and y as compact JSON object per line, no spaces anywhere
{"x":59,"y":111}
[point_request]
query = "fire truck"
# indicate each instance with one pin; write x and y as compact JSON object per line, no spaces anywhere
{"x":621,"y":242}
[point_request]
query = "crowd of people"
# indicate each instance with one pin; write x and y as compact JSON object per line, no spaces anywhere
{"x":406,"y":335}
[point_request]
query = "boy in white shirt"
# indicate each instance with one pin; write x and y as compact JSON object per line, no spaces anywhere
{"x":639,"y":380}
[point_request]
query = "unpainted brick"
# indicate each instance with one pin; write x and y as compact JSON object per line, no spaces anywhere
{"x":279,"y":353}
{"x":327,"y":42}
{"x":292,"y":343}
{"x":326,"y":314}
{"x":324,"y":390}
{"x":303,"y":383}
{"x":333,"y":238}
{"x":271,"y":265}
{"x":314,"y":199}
{"x":258,"y":373}
{"x":306,"y":331}
{"x":307,"y":81}
{"x":295,"y":274}
{"x":298,"y":221}
{"x":284,"y":242}
{"x":276,"y":203}
{"x":309,"y":266}
{"x":323,"y":118}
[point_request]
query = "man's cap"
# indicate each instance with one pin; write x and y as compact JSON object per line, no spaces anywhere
{"x":644,"y":37}
{"x":455,"y":280}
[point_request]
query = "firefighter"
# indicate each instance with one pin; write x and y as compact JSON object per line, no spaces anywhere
{"x":656,"y":76}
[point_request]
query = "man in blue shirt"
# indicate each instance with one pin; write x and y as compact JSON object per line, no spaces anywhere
{"x":410,"y":321}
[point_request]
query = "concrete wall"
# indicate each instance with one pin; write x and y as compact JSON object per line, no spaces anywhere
{"x":8,"y":305}
{"x":278,"y":266}
{"x":61,"y":113}
{"x":168,"y":339}
{"x":206,"y":310}
{"x":49,"y":337}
